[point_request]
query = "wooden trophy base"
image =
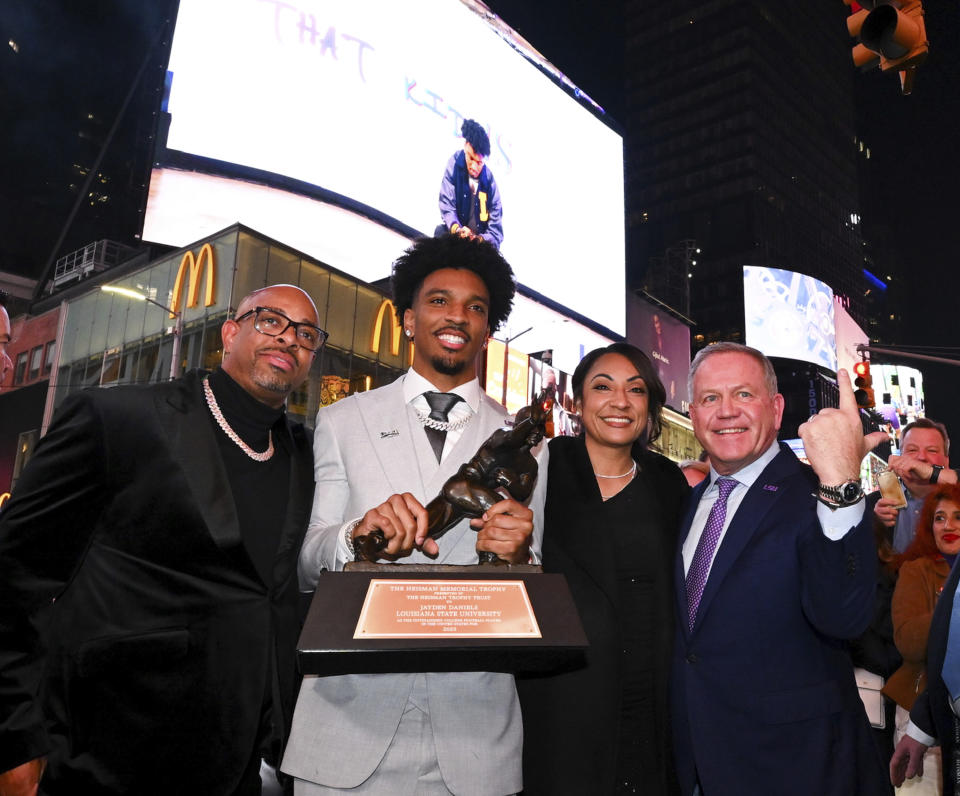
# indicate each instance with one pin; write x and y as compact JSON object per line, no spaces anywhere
{"x":376,"y":618}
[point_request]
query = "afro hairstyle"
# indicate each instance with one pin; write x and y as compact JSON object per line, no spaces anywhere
{"x":476,"y":136}
{"x":427,"y":255}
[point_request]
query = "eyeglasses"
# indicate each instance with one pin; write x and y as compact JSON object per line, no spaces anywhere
{"x":274,"y":323}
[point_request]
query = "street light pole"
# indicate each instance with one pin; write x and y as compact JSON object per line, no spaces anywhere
{"x":136,"y":295}
{"x":506,"y":360}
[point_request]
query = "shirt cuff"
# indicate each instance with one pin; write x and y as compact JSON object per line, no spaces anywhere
{"x":919,"y":735}
{"x":836,"y":523}
{"x":344,"y":556}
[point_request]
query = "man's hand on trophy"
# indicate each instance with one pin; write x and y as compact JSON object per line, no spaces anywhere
{"x":402,"y":522}
{"x":504,"y":530}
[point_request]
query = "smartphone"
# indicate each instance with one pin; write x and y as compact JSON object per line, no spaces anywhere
{"x":891,"y":489}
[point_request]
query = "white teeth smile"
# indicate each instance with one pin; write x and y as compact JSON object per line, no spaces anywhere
{"x":617,"y":421}
{"x":455,"y":339}
{"x":730,"y":431}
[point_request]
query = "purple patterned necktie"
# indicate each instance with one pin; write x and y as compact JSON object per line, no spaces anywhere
{"x":702,"y":558}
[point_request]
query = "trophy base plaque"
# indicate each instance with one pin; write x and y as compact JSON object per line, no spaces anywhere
{"x":377,"y":618}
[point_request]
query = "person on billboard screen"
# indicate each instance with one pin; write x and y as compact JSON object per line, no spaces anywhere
{"x":6,"y":364}
{"x":469,"y":199}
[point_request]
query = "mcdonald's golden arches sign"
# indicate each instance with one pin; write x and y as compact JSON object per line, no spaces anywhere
{"x":191,"y":271}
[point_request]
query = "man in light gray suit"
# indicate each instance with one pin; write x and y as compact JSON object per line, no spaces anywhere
{"x":378,"y":461}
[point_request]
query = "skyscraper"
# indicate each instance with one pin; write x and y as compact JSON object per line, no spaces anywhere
{"x":741,"y":139}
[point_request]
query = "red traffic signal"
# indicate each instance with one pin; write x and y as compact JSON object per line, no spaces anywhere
{"x":891,"y":33}
{"x":864,"y":384}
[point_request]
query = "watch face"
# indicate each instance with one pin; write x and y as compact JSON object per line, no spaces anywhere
{"x":850,"y":491}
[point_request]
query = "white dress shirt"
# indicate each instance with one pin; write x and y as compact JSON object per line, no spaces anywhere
{"x":414,"y":386}
{"x":835,"y":523}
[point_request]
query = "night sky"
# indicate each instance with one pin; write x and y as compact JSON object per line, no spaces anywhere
{"x":915,"y":140}
{"x":75,"y":62}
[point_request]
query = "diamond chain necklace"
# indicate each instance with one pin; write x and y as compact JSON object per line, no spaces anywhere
{"x":231,"y":434}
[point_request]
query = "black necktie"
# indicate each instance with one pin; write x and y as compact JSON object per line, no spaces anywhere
{"x":440,"y":405}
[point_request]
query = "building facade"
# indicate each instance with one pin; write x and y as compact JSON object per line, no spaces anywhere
{"x":110,"y":339}
{"x":741,"y":143}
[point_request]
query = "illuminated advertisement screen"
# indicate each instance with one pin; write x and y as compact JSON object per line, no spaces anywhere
{"x":849,"y":336}
{"x":898,"y":391}
{"x":328,"y":125}
{"x":789,"y":315}
{"x":517,"y":366}
{"x":667,"y":342}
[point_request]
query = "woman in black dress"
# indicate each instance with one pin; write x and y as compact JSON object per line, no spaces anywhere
{"x":601,"y":726}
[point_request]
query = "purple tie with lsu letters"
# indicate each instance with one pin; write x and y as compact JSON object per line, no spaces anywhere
{"x":700,"y":566}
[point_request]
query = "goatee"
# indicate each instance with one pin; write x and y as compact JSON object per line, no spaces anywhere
{"x":448,"y":367}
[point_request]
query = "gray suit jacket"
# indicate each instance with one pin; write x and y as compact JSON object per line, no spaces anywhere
{"x":368,"y":447}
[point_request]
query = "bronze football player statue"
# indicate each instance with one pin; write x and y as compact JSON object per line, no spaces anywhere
{"x":503,"y":464}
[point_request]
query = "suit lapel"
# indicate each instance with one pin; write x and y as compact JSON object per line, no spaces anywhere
{"x":940,"y":623}
{"x":750,"y":513}
{"x":400,"y":444}
{"x":190,"y":434}
{"x":294,"y":441}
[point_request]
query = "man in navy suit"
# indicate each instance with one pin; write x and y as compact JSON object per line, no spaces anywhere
{"x":776,"y":568}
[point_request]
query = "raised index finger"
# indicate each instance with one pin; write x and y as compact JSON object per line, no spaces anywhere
{"x":848,"y":403}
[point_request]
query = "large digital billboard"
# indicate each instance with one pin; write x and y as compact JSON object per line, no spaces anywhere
{"x":899,"y":394}
{"x":790,"y":315}
{"x":666,"y":341}
{"x":327,"y":124}
{"x":849,"y":336}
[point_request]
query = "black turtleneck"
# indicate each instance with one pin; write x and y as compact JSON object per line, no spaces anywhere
{"x":260,"y":489}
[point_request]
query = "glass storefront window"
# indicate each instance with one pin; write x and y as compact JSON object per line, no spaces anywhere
{"x":251,"y":273}
{"x":111,"y":340}
{"x":363,"y":375}
{"x":48,"y":357}
{"x":128,"y":364}
{"x":21,"y":371}
{"x":341,"y":312}
{"x":110,"y":371}
{"x":316,"y":282}
{"x":76,"y":337}
{"x":100,"y":320}
{"x":283,"y":267}
{"x":211,"y":351}
{"x":147,"y":363}
{"x":93,"y":367}
{"x":36,"y":359}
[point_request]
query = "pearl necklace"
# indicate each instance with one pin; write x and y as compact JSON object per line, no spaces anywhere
{"x":631,"y":471}
{"x":443,"y":425}
{"x":231,"y":434}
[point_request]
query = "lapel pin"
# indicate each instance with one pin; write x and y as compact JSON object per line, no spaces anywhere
{"x":771,"y":487}
{"x":392,"y":433}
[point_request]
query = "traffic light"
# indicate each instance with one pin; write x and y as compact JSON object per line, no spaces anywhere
{"x":891,"y":33}
{"x":864,"y":384}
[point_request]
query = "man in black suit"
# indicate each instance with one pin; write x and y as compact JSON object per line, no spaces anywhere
{"x":148,"y":583}
{"x":934,"y":715}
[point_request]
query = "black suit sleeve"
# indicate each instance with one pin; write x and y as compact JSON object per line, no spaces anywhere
{"x":45,"y":529}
